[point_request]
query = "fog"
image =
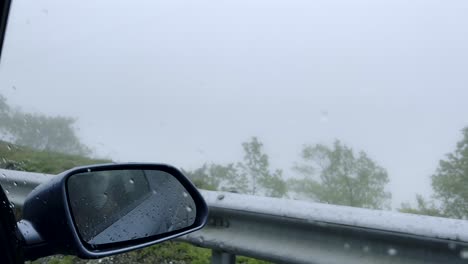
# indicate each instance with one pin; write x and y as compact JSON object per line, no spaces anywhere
{"x":186,"y":82}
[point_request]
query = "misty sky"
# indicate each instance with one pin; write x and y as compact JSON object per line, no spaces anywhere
{"x":186,"y":81}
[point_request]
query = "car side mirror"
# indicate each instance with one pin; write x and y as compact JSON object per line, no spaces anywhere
{"x":101,"y":210}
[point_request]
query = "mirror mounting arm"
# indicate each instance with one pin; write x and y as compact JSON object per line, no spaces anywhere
{"x":34,"y":245}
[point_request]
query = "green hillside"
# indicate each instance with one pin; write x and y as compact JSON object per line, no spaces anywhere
{"x":26,"y":159}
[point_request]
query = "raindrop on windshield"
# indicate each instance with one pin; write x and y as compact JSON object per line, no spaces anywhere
{"x":221,"y":196}
{"x":324,"y":116}
{"x":347,"y":246}
{"x":3,"y":175}
{"x":8,"y":147}
{"x":15,"y":184}
{"x":392,"y":251}
{"x":154,"y":192}
{"x":131,"y":181}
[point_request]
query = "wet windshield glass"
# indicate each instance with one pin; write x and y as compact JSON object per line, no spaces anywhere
{"x":356,"y":103}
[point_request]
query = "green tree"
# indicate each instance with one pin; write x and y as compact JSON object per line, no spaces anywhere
{"x":450,"y":181}
{"x":40,"y":132}
{"x":252,"y":176}
{"x":336,"y":175}
{"x":4,"y":107}
{"x":423,"y":207}
{"x":218,"y":177}
{"x":256,"y":168}
{"x":4,"y":112}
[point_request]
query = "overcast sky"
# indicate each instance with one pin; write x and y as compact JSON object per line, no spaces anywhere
{"x":186,"y":81}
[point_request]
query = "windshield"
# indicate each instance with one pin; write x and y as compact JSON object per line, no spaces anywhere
{"x":355,"y":103}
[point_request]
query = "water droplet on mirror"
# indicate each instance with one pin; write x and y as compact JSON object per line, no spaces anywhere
{"x":155,"y":192}
{"x":131,"y":181}
{"x":171,"y":227}
{"x":201,"y":239}
{"x":464,"y":254}
{"x":392,"y":251}
{"x":12,"y":206}
{"x":452,"y":246}
{"x":188,"y":208}
{"x":185,"y":194}
{"x":15,"y":184}
{"x":3,"y":175}
{"x":366,"y":249}
{"x":221,"y":197}
{"x":7,"y":192}
{"x":8,"y":147}
{"x":89,"y":170}
{"x":347,"y":246}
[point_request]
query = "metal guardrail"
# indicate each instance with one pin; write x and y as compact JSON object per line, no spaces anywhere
{"x":18,"y":184}
{"x":289,"y":231}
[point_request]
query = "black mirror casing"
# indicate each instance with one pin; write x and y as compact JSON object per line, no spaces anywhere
{"x":48,"y":225}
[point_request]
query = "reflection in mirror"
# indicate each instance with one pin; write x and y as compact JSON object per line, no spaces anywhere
{"x":120,"y":205}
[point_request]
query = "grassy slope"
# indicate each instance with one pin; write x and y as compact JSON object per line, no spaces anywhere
{"x":23,"y":158}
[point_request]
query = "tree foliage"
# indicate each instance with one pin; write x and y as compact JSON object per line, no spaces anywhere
{"x":336,"y":175}
{"x":256,"y":168}
{"x":218,"y":177}
{"x":251,"y":176}
{"x":40,"y":132}
{"x":450,"y":181}
{"x":423,"y":207}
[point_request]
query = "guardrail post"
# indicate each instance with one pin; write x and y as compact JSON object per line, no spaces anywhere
{"x":221,"y":257}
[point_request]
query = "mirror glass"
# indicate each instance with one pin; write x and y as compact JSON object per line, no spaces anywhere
{"x":120,"y":205}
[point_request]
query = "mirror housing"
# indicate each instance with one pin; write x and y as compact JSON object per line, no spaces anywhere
{"x":49,"y":227}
